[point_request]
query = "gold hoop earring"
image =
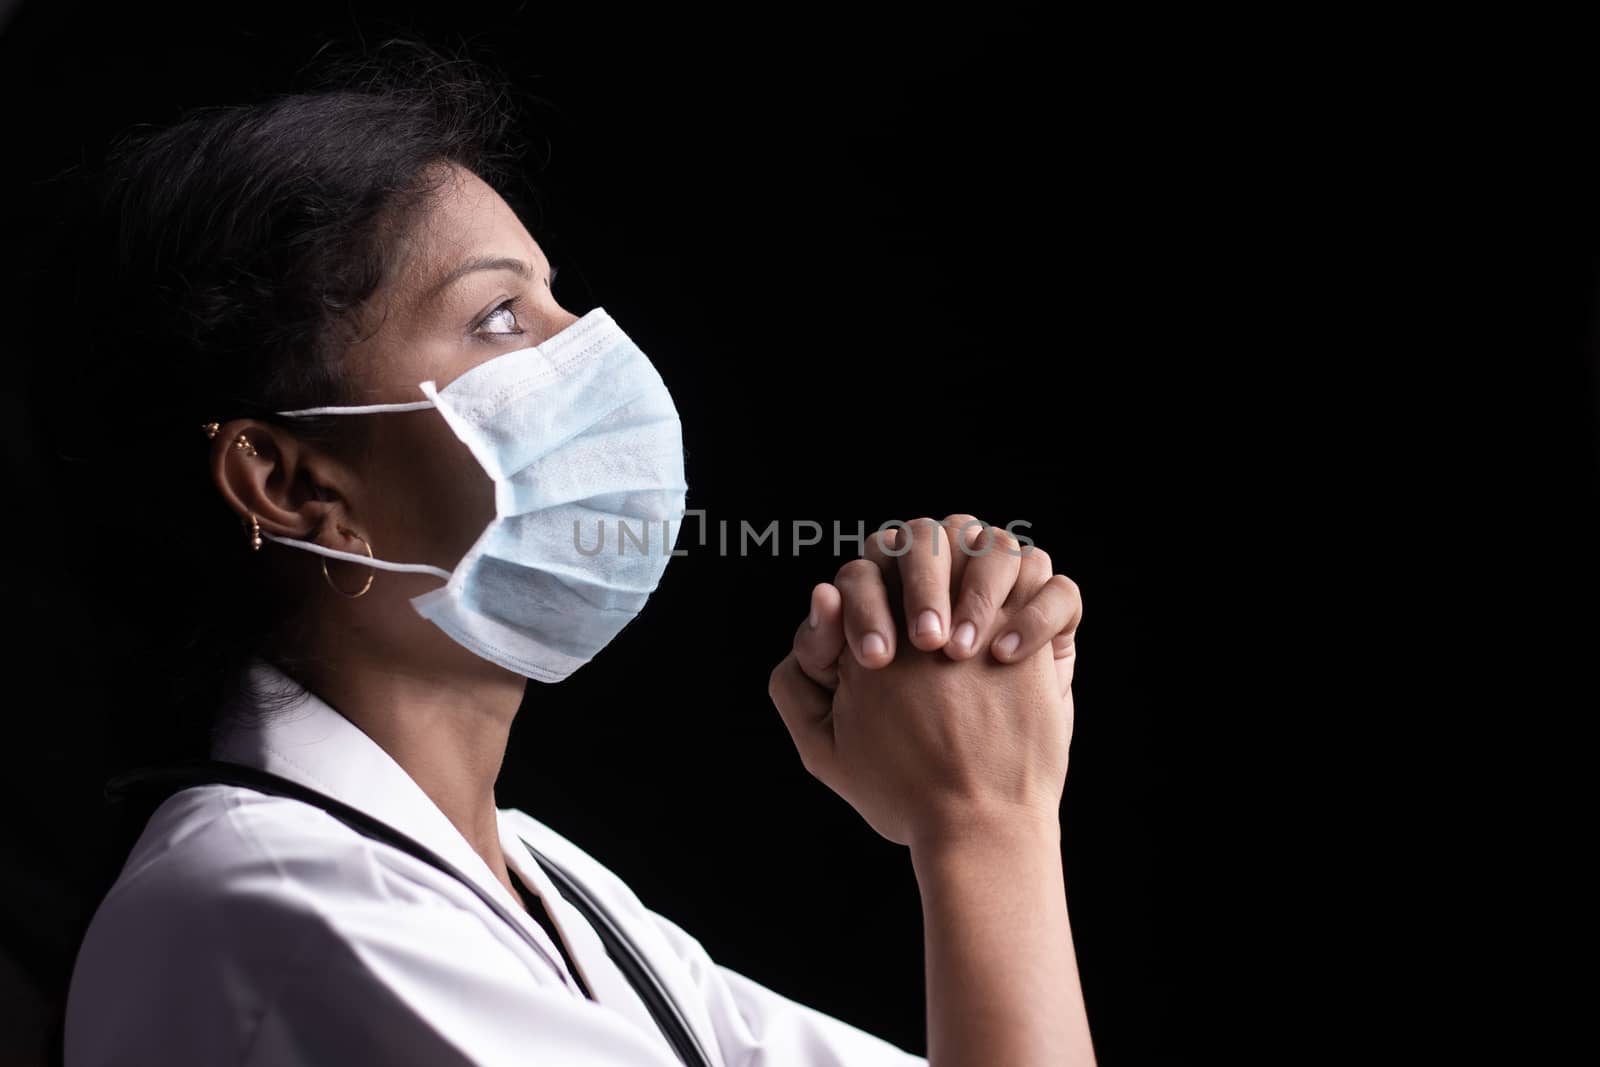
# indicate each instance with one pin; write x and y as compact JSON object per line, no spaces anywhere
{"x":370,"y":574}
{"x":255,"y":534}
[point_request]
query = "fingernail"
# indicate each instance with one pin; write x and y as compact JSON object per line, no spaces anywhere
{"x":964,"y":636}
{"x":928,"y":623}
{"x":815,"y":618}
{"x":874,"y":645}
{"x":1008,"y":644}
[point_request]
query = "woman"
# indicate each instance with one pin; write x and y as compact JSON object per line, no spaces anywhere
{"x":366,"y":385}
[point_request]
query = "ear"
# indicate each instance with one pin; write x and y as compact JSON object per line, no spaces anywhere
{"x":293,"y":489}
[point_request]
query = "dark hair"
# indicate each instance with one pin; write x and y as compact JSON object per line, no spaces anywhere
{"x":227,"y":257}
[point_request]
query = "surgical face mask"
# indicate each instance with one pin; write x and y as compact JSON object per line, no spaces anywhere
{"x":583,"y":444}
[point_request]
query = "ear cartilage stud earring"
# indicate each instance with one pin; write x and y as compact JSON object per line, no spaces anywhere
{"x":210,"y":428}
{"x":244,"y":442}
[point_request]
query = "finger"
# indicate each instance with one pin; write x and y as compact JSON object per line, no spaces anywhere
{"x":1066,"y":661}
{"x":889,"y":569}
{"x":819,"y":640}
{"x":805,"y":708}
{"x":990,"y":574}
{"x":922,"y":557}
{"x":868,"y":623}
{"x":888,"y":560}
{"x":1051,"y":617}
{"x":959,"y":529}
{"x":1064,"y":647}
{"x":1033,"y":570}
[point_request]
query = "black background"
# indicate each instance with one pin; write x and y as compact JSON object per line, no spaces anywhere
{"x":1077,"y":273}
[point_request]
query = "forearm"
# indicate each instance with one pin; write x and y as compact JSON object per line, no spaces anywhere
{"x":1002,"y":979}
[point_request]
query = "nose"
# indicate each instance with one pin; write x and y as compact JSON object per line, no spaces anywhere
{"x":560,"y":320}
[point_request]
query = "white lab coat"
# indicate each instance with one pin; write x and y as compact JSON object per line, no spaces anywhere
{"x":248,"y":929}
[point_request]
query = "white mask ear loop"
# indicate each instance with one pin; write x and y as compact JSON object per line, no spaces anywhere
{"x":362,"y":409}
{"x":334,"y":553}
{"x":383,"y":564}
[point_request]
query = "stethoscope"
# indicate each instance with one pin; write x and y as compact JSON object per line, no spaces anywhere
{"x":155,"y":782}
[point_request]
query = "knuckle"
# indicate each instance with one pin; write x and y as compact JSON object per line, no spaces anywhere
{"x":927,"y":577}
{"x":955,"y":521}
{"x":1031,"y":619}
{"x":1076,"y":592}
{"x":1032,"y":572}
{"x":991,"y":540}
{"x":926,"y":530}
{"x":978,"y":602}
{"x":910,"y":539}
{"x":854,"y":570}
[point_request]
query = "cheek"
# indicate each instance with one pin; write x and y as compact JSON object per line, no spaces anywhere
{"x":440,"y":498}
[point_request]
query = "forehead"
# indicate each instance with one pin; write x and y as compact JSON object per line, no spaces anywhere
{"x":464,"y":219}
{"x":412,"y":329}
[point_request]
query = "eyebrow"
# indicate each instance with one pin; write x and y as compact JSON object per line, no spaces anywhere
{"x":516,"y":266}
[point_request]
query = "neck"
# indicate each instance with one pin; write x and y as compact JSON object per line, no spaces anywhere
{"x":447,"y":731}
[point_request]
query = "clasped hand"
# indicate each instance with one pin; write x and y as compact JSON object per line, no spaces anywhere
{"x":967,"y":730}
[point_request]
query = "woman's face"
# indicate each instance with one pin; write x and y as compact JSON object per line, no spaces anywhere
{"x":473,"y":284}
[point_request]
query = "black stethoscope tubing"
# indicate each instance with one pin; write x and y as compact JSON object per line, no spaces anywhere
{"x":154,"y":782}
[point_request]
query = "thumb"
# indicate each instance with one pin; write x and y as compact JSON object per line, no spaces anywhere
{"x":805,"y":707}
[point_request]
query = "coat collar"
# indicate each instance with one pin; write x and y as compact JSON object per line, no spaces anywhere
{"x":310,"y":742}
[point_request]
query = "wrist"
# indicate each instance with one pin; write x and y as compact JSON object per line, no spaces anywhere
{"x":978,"y":836}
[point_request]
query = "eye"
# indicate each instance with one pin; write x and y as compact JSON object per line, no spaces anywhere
{"x":504,"y":313}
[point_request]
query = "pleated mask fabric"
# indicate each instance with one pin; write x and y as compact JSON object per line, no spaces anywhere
{"x":583,"y":443}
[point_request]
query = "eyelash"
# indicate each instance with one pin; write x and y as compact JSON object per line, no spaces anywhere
{"x":513,"y":305}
